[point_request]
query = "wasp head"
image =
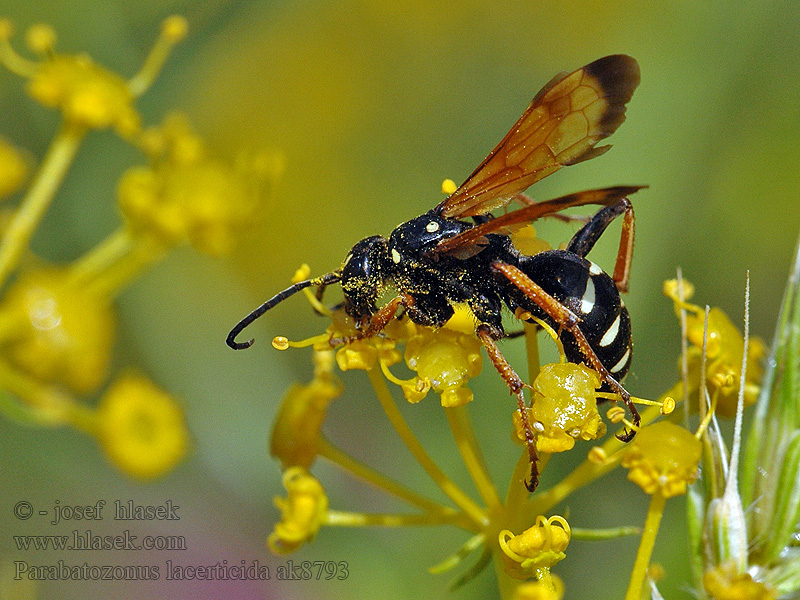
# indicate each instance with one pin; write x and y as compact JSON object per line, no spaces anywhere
{"x":364,"y":273}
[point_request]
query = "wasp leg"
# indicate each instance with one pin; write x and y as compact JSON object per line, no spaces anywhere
{"x":376,"y":322}
{"x":569,"y":321}
{"x":488,"y":335}
{"x":583,"y":241}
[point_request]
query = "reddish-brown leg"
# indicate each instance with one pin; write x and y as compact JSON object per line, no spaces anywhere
{"x":377,"y":322}
{"x":569,"y":321}
{"x":516,"y":385}
{"x":622,"y":268}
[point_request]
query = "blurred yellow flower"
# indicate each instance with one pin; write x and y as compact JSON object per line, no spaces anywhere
{"x":538,"y":590}
{"x":724,"y":352}
{"x":87,"y":94}
{"x":141,"y":427}
{"x":297,"y":429}
{"x":185,"y":195}
{"x":725,"y":583}
{"x":13,"y":169}
{"x":303,"y":511}
{"x":56,"y":331}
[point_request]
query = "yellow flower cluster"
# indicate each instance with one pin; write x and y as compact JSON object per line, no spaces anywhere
{"x":87,"y":94}
{"x":444,"y":360}
{"x":57,"y":325}
{"x":187,"y":195}
{"x":724,"y":352}
{"x":536,"y":549}
{"x":563,"y":407}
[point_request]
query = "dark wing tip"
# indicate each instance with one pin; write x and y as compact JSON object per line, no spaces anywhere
{"x":618,"y":76}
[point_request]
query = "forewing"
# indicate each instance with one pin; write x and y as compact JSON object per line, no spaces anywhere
{"x":467,"y":243}
{"x":560,"y":127}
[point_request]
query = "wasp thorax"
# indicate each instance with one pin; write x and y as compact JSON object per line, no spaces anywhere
{"x":364,"y":271}
{"x":421,"y":234}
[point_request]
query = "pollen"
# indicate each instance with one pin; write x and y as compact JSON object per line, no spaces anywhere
{"x":141,"y":428}
{"x":664,"y":458}
{"x":303,"y":511}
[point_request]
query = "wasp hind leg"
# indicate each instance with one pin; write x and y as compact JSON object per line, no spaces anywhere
{"x":586,"y":237}
{"x":569,"y":321}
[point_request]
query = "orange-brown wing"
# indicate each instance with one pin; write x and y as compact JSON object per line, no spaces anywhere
{"x":560,"y":127}
{"x":464,"y":243}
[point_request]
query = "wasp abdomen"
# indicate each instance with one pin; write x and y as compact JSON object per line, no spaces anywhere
{"x":591,"y":294}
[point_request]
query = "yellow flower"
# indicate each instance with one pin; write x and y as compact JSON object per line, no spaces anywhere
{"x":303,"y":511}
{"x":141,"y":427}
{"x":296,"y":433}
{"x":185,"y":195}
{"x":539,"y":590}
{"x":663,"y":457}
{"x":525,"y":241}
{"x":57,"y":332}
{"x":724,"y":583}
{"x":724,"y":352}
{"x":13,"y":169}
{"x":444,"y":359}
{"x":536,"y":549}
{"x":87,"y":94}
{"x":563,"y":407}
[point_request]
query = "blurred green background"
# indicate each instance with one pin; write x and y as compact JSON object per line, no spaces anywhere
{"x":373,"y":104}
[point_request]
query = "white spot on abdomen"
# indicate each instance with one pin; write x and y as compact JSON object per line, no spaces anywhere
{"x":395,"y":256}
{"x":432,"y":226}
{"x":587,"y":301}
{"x":622,"y":361}
{"x":610,"y":335}
{"x":594,"y":269}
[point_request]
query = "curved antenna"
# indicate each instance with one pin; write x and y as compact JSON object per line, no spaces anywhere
{"x":326,"y":279}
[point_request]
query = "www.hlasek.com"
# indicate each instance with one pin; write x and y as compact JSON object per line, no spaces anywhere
{"x":221,"y":571}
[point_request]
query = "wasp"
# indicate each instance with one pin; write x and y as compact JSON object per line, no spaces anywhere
{"x":460,"y":253}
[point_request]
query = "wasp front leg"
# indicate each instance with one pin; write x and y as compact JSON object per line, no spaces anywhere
{"x":375,"y":323}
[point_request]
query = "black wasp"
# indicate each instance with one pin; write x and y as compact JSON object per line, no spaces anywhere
{"x":439,"y":259}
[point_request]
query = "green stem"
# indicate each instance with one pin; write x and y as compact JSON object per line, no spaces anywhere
{"x":464,"y":502}
{"x":47,"y":180}
{"x":646,"y":544}
{"x":464,"y":436}
{"x":337,"y":518}
{"x":359,"y":469}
